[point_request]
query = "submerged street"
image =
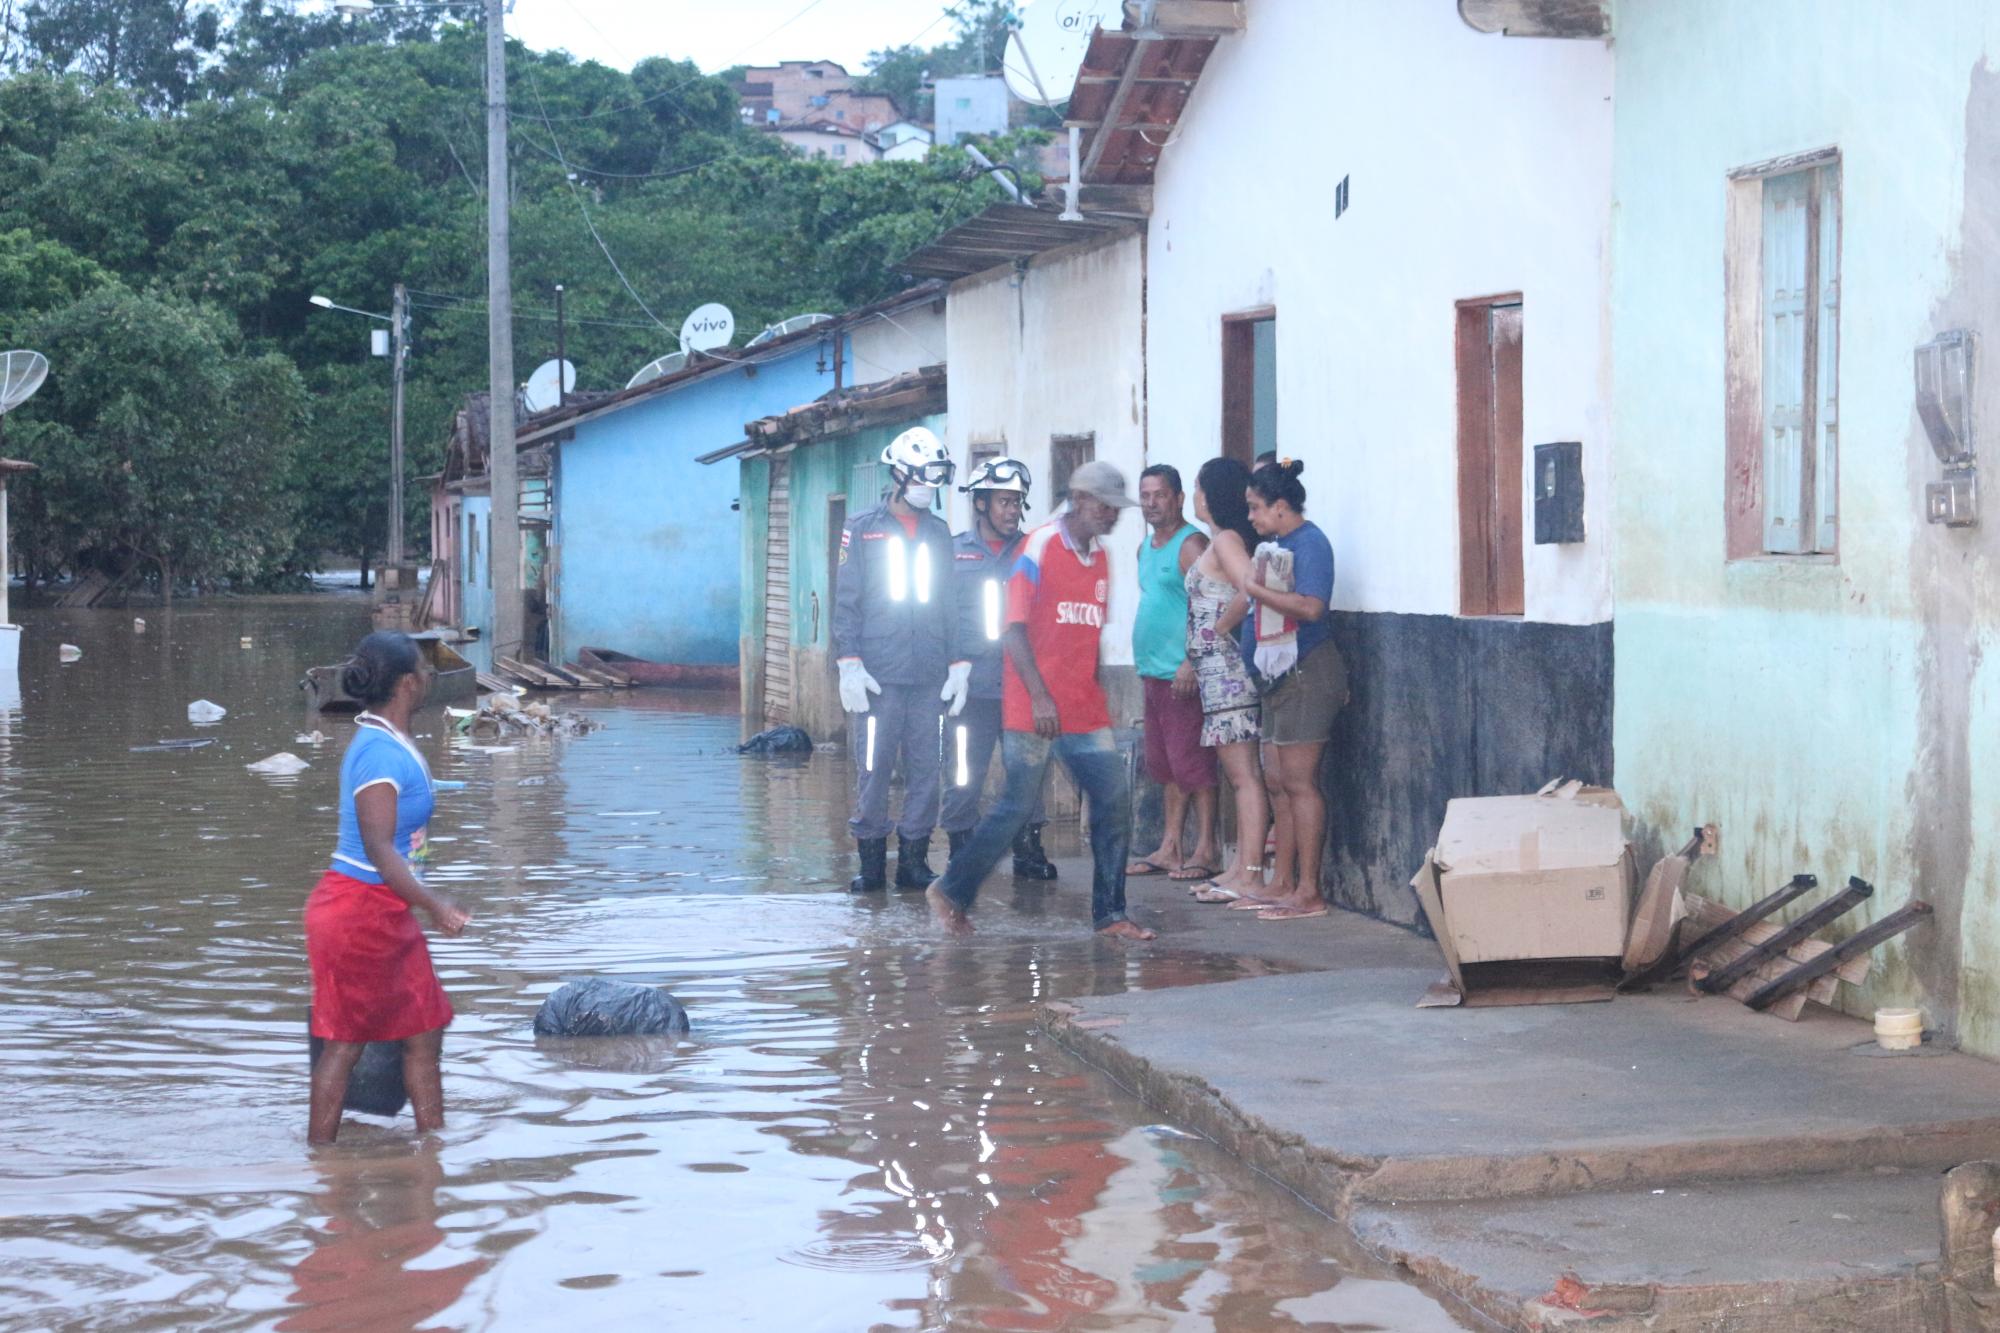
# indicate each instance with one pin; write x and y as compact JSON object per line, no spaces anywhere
{"x":866,"y":1129}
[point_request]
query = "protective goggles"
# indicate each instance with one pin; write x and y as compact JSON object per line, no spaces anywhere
{"x":927,"y":474}
{"x":1006,"y":473}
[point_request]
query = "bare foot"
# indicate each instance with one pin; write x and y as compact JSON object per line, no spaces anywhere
{"x":947,"y":913}
{"x":1295,"y":902}
{"x":1128,"y":930}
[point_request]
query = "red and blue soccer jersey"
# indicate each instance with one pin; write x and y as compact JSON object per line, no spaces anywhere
{"x":1060,"y":594}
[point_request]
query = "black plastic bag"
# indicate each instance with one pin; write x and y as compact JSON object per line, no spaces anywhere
{"x":376,"y":1085}
{"x":600,"y":1008}
{"x":778,"y":740}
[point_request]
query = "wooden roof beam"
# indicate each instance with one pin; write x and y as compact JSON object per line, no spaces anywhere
{"x":1151,"y":20}
{"x":1095,"y":153}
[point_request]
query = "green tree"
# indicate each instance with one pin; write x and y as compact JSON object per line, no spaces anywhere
{"x":162,"y":443}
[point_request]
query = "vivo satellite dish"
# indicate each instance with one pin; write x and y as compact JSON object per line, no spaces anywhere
{"x":543,"y":391}
{"x":21,"y":373}
{"x":709,"y":327}
{"x":792,"y":325}
{"x":1046,"y":51}
{"x":652,"y":370}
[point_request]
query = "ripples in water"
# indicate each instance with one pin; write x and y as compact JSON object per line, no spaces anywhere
{"x":865,"y":1132}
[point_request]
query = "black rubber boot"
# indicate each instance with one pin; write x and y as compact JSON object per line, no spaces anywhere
{"x":913,"y":863}
{"x":955,"y":841}
{"x":1030,"y":861}
{"x":874,"y":866}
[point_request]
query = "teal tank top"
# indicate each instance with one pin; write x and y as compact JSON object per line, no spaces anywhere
{"x":1159,"y":631}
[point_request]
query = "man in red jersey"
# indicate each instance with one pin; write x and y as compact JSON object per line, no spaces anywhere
{"x":1054,"y":707}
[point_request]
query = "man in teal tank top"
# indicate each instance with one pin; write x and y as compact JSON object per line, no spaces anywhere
{"x":1175,"y":756}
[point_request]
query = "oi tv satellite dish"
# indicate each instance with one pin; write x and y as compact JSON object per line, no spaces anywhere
{"x":654,"y":369}
{"x":709,"y":327}
{"x":1045,"y":52}
{"x":21,"y":373}
{"x":544,"y":389}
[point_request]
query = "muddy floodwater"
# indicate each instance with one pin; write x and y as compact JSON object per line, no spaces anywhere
{"x":865,"y":1131}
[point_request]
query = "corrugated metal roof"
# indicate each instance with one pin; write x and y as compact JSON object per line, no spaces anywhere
{"x":914,"y":393}
{"x":545,"y":424}
{"x":1004,"y":234}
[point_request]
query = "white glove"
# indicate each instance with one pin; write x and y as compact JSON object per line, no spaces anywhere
{"x":957,"y":683}
{"x":856,"y":685}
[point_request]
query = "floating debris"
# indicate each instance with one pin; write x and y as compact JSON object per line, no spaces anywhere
{"x":201,"y":710}
{"x":69,"y":652}
{"x":310,"y":738}
{"x":283,"y":764}
{"x":138,"y":624}
{"x":778,"y":740}
{"x":172,"y":745}
{"x":247,"y":641}
{"x":505,"y":715}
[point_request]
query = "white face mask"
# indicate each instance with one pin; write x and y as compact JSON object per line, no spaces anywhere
{"x":919,"y":497}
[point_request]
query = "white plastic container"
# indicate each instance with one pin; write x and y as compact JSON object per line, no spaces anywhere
{"x":1899,"y":1029}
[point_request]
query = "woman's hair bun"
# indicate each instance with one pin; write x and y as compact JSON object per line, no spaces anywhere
{"x":357,"y":677}
{"x":1294,"y":466}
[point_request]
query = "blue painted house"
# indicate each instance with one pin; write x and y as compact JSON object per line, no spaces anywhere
{"x":643,"y":547}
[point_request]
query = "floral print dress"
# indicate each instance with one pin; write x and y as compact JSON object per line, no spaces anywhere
{"x":1229,"y":702}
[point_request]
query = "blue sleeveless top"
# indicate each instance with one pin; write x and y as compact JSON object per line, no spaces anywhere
{"x":379,"y":754}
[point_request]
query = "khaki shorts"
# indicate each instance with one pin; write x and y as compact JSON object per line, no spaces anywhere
{"x":1301,"y":708}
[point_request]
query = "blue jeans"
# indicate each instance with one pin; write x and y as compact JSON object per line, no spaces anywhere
{"x":1094,"y":761}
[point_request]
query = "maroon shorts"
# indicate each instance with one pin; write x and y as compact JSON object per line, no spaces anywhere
{"x":1174,"y":752}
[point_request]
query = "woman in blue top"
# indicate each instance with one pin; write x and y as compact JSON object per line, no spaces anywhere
{"x":1306,"y":692}
{"x":371,"y":972}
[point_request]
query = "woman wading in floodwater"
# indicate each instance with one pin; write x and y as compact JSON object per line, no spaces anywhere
{"x":372,"y":978}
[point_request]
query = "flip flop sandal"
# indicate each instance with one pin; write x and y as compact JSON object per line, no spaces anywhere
{"x":1290,"y":913}
{"x":1215,"y":893}
{"x":1247,"y":903}
{"x":1189,"y":873}
{"x":1152,"y":868}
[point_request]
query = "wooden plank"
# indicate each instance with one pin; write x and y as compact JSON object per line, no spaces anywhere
{"x":1856,"y":945}
{"x":1509,"y":567}
{"x":1187,"y":18}
{"x":1822,"y":914}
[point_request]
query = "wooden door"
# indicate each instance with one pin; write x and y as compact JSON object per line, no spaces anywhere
{"x":1492,"y":580}
{"x":778,"y":594}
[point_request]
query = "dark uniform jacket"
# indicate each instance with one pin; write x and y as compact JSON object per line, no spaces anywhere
{"x":895,"y":606}
{"x":975,"y":566}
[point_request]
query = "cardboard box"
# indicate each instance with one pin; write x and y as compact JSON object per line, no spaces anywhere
{"x":1530,"y":877}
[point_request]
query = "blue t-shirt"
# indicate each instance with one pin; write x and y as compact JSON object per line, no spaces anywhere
{"x":377,"y":754}
{"x":1312,"y":576}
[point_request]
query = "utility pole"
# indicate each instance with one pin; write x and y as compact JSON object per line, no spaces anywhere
{"x":504,"y":552}
{"x":562,"y":352}
{"x":399,"y":348}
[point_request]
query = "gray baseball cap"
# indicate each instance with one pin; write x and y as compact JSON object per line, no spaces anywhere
{"x":1102,"y":481}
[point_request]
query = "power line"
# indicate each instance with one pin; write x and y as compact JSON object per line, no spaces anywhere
{"x":535,"y":86}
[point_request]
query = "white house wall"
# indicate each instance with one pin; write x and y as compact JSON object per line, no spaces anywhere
{"x":901,"y":340}
{"x":1477,"y":166}
{"x":1056,"y":350}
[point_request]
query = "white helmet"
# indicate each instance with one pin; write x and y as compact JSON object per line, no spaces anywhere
{"x":918,"y":457}
{"x":1001,"y":474}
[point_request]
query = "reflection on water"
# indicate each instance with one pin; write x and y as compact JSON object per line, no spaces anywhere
{"x":864,"y":1133}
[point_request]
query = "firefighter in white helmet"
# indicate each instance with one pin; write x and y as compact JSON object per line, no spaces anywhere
{"x":982,"y":560}
{"x":895,"y":638}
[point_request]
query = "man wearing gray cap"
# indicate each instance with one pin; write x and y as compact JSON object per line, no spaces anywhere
{"x":1054,"y":707}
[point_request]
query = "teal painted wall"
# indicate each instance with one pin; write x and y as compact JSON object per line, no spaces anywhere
{"x":1836,"y":716}
{"x":818,"y":472}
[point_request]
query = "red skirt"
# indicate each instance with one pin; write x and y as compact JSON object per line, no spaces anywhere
{"x":372,"y":977}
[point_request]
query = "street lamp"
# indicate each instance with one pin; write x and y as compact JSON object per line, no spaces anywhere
{"x":398,"y":351}
{"x":504,"y":552}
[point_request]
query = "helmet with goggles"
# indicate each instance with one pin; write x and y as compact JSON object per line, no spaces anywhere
{"x":1001,"y":474}
{"x":917,"y":457}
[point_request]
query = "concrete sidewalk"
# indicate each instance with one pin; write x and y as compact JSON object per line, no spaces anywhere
{"x":1693,"y":1163}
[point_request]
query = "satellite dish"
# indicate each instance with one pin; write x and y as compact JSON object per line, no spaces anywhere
{"x":1045,"y":52}
{"x":21,"y":373}
{"x":709,"y":327}
{"x":654,"y":369}
{"x":544,"y":390}
{"x":792,"y":325}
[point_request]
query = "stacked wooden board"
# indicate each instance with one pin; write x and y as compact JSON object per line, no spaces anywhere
{"x":513,"y":673}
{"x":1705,"y":914}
